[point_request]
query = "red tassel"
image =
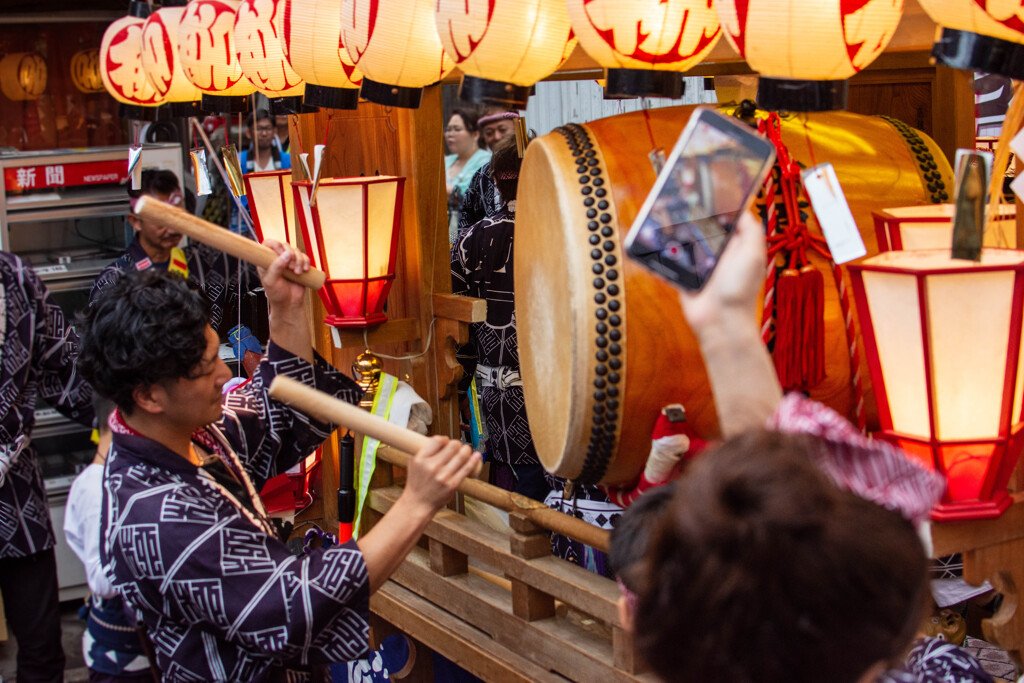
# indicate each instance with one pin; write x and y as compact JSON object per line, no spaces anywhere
{"x":788,"y":324}
{"x":813,"y":343}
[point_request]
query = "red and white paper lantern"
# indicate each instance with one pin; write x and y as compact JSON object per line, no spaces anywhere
{"x":258,"y":29}
{"x":504,"y":46}
{"x":980,"y":35}
{"x":645,"y":44}
{"x":314,"y":47}
{"x":85,"y":71}
{"x":395,"y":44}
{"x":805,"y":50}
{"x":122,"y":72}
{"x":206,"y":45}
{"x":161,"y":62}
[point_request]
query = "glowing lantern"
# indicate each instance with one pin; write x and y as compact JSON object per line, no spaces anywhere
{"x":257,"y":37}
{"x":22,"y":76}
{"x":352,"y":235}
{"x":806,"y":49}
{"x":85,"y":71}
{"x":272,"y":205}
{"x":645,"y":44}
{"x":503,"y":46}
{"x":206,"y":45}
{"x":162,"y":64}
{"x":312,"y":42}
{"x":395,"y":44}
{"x":979,"y":35}
{"x":943,"y":341}
{"x":121,"y":66}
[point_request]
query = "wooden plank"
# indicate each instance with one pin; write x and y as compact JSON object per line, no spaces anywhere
{"x":465,"y":309}
{"x":574,"y":585}
{"x":391,"y":332}
{"x":466,"y":646}
{"x":553,"y":643}
{"x":446,"y":561}
{"x":957,"y":537}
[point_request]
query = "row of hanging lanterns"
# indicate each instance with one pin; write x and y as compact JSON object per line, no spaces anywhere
{"x":388,"y":50}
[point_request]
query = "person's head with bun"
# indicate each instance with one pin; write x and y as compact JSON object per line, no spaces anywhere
{"x":761,"y":570}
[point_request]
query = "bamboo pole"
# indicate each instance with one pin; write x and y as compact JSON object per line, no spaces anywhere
{"x":220,"y":238}
{"x":405,"y":441}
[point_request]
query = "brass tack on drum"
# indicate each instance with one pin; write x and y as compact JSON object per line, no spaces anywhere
{"x":602,"y":192}
{"x":589,"y":201}
{"x":601,"y":343}
{"x":609,"y":260}
{"x":591,"y":213}
{"x":613,"y":378}
{"x":606,"y":231}
{"x":581,"y":169}
{"x":615,"y":364}
{"x":601,"y":355}
{"x":600,"y":298}
{"x":598,"y":282}
{"x":598,"y":420}
{"x":613,"y":274}
{"x":601,"y":328}
{"x":598,"y":182}
{"x":588,"y":190}
{"x":612,"y":404}
{"x":590,"y":153}
{"x":600,"y":383}
{"x":601,"y":314}
{"x":615,"y":349}
{"x":598,"y":408}
{"x":601,"y":369}
{"x":615,"y":320}
{"x":609,"y":427}
{"x":584,"y":180}
{"x":603,"y":204}
{"x":598,"y":395}
{"x":595,"y":172}
{"x":595,"y":254}
{"x":613,"y":290}
{"x":592,"y":225}
{"x":594,"y":239}
{"x":598,"y":269}
{"x":609,"y":245}
{"x":613,"y":305}
{"x":605,"y":217}
{"x":613,"y":391}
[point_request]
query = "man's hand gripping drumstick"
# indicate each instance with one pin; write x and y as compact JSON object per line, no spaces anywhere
{"x":435,"y":470}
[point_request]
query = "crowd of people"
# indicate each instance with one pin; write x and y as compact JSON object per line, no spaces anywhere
{"x":787,"y":553}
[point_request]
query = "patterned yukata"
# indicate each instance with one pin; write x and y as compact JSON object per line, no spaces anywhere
{"x":481,"y":200}
{"x":216,"y":273}
{"x":37,"y":360}
{"x":194,"y":553}
{"x":937,"y":661}
{"x":482,"y":267}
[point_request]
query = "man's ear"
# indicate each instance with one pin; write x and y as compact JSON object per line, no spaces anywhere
{"x":151,"y":399}
{"x":134,"y":222}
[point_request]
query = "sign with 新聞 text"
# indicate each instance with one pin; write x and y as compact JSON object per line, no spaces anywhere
{"x":22,"y":178}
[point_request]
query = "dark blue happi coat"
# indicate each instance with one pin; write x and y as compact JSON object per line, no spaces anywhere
{"x":37,"y":360}
{"x":221,"y":597}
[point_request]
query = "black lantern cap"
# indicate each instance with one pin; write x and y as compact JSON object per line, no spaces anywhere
{"x":290,"y":105}
{"x":137,"y":113}
{"x":391,"y":95}
{"x":183,"y":109}
{"x":976,"y":52}
{"x":791,"y":94}
{"x":626,"y":83}
{"x":331,"y":98}
{"x":474,"y":89}
{"x":139,"y":10}
{"x":225,"y":104}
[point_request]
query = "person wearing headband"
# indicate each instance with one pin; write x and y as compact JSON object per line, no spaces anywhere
{"x":220,"y":276}
{"x":481,"y":198}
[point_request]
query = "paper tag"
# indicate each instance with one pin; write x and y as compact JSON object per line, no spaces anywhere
{"x":201,"y":172}
{"x":234,"y":169}
{"x":318,"y":167}
{"x":657,"y":157}
{"x":1017,"y":144}
{"x":1018,"y":186}
{"x":135,"y":166}
{"x":973,"y":168}
{"x":833,"y":213}
{"x":304,"y":158}
{"x":336,"y":337}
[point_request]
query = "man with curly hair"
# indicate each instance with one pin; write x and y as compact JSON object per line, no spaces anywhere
{"x":185,"y":538}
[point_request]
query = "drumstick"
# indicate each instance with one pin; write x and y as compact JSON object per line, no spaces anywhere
{"x":220,"y":238}
{"x":329,"y":409}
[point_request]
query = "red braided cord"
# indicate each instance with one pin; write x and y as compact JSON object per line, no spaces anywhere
{"x":851,"y":343}
{"x":772,"y":222}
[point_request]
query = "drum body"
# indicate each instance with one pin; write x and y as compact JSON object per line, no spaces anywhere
{"x":603,"y":344}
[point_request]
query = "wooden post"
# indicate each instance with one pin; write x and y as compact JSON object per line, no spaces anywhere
{"x":445,"y":560}
{"x":529,"y":542}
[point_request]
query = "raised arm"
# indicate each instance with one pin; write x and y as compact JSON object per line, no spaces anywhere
{"x":723,"y":315}
{"x":289,"y":326}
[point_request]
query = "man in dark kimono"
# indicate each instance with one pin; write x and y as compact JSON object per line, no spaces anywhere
{"x":186,"y":540}
{"x":482,"y":198}
{"x":37,"y":360}
{"x":221,"y":277}
{"x":481,"y":261}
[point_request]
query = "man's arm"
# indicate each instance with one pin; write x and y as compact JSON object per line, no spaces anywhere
{"x":289,"y":326}
{"x":723,"y":315}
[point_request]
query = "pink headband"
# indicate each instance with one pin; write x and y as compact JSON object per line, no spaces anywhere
{"x":484,"y":120}
{"x":176,"y":198}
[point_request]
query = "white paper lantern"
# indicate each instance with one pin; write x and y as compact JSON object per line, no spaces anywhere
{"x":395,"y":44}
{"x":645,"y":44}
{"x":258,"y":28}
{"x":161,"y":62}
{"x":980,"y":35}
{"x":805,"y":50}
{"x":122,"y":72}
{"x":314,"y":47}
{"x":504,"y":46}
{"x":206,"y":45}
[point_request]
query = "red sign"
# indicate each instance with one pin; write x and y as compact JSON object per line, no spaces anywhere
{"x":21,"y":178}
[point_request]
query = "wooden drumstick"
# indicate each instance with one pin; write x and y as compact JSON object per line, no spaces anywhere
{"x":220,"y":238}
{"x":329,"y":409}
